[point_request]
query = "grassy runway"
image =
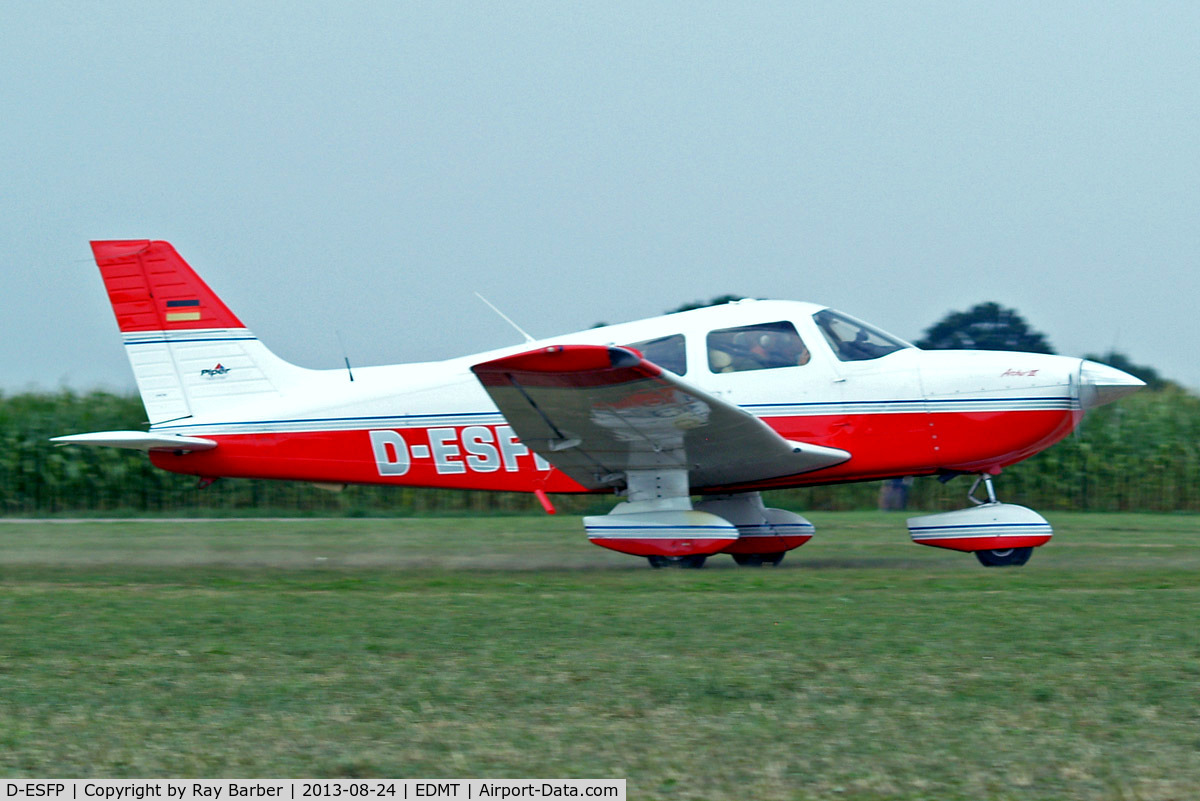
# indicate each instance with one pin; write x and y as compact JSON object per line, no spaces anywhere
{"x":864,"y":668}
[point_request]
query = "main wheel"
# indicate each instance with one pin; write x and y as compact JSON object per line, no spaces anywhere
{"x":758,"y":559}
{"x":694,"y":561}
{"x":1007,"y":557}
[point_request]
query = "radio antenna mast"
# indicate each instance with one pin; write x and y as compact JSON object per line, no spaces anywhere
{"x":345,"y":353}
{"x":505,"y":317}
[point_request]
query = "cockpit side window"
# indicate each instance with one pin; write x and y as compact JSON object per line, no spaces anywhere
{"x":854,"y":341}
{"x":667,"y":352}
{"x":756,"y":347}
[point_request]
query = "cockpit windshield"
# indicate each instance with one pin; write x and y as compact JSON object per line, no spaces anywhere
{"x":855,"y":341}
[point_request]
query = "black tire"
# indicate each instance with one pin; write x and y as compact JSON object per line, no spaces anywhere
{"x":693,"y":562}
{"x":1008,"y":557}
{"x":758,"y":559}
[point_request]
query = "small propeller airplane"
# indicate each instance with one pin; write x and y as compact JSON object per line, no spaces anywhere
{"x":720,"y":402}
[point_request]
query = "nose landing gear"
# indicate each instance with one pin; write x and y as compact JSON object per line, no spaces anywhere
{"x":999,"y":534}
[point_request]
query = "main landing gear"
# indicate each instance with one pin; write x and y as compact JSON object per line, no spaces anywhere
{"x":999,"y":534}
{"x":694,"y":562}
{"x":659,"y":522}
{"x":759,"y":559}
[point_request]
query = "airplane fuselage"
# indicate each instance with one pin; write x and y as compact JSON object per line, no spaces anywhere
{"x":907,"y":412}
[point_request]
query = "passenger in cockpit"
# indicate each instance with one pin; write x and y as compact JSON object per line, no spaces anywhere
{"x":783,"y":349}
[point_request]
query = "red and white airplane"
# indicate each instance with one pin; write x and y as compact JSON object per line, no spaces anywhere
{"x":721,"y":402}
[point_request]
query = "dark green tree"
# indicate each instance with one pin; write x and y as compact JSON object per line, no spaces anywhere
{"x":986,"y":326}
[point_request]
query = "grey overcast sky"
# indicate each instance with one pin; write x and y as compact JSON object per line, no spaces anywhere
{"x":362,"y":167}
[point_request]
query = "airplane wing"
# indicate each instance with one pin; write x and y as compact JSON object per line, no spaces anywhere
{"x":596,"y":411}
{"x":138,"y":441}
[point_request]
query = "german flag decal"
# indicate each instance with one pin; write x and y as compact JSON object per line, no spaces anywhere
{"x":183,"y":316}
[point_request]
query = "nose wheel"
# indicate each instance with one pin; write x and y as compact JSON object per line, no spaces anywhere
{"x":996,"y":557}
{"x":1004,"y":557}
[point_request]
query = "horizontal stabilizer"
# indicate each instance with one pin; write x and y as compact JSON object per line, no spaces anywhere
{"x":137,"y":441}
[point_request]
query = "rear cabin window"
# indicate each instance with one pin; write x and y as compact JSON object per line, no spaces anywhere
{"x":756,"y":347}
{"x":666,"y":352}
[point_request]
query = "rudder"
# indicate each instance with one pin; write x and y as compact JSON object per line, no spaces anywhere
{"x":152,"y":288}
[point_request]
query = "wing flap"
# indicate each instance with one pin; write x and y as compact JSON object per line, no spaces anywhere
{"x":598,"y":411}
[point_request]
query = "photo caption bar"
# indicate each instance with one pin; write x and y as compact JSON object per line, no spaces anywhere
{"x":304,"y":789}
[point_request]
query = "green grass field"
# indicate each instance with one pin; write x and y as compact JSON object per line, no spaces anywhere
{"x":863,"y":668}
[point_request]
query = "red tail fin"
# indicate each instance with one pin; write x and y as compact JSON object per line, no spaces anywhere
{"x":152,"y":288}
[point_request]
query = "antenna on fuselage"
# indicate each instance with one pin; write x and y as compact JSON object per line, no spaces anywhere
{"x":345,"y":354}
{"x":505,"y":317}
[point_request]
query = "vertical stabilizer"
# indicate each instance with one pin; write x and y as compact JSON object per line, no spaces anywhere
{"x":190,"y":354}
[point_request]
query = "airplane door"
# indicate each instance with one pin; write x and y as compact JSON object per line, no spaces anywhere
{"x":886,"y":421}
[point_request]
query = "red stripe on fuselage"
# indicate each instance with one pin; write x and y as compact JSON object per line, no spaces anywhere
{"x":452,"y":457}
{"x":887,"y":445}
{"x":490,"y":458}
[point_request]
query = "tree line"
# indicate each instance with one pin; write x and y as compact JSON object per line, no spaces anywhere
{"x":1139,"y":454}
